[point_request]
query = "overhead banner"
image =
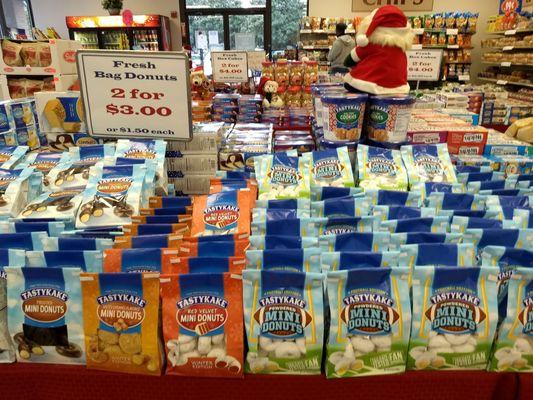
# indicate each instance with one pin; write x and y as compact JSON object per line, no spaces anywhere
{"x":404,"y":5}
{"x":229,"y":66}
{"x":423,"y":65}
{"x":136,"y":94}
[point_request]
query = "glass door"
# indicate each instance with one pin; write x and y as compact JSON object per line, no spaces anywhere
{"x":246,"y":32}
{"x":145,"y":39}
{"x":88,"y":39}
{"x":115,"y":39}
{"x":206,"y":35}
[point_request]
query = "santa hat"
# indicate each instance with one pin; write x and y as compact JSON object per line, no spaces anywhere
{"x":383,"y":17}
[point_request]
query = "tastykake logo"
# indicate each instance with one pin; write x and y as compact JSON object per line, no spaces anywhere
{"x":125,"y":309}
{"x":369,"y":313}
{"x":221,"y":216}
{"x":526,"y":316}
{"x":455,"y":312}
{"x":282,"y":316}
{"x":381,"y":165}
{"x":328,"y":168}
{"x":284,"y":175}
{"x":201,"y":314}
{"x":378,"y":116}
{"x":349,"y":116}
{"x":140,"y":154}
{"x":44,"y":304}
{"x":114,"y":185}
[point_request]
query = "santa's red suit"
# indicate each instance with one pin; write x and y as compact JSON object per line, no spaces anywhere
{"x":380,"y":53}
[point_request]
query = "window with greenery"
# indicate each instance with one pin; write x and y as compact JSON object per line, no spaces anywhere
{"x":286,"y":17}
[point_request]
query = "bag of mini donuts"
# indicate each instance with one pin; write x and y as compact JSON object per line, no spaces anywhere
{"x":44,"y":314}
{"x":60,"y":204}
{"x":52,"y":228}
{"x":204,"y":265}
{"x":202,"y":324}
{"x":11,"y":156}
{"x":16,"y":188}
{"x":138,"y":260}
{"x":112,"y":196}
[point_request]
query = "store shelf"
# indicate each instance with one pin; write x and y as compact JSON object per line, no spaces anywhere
{"x":510,"y":32}
{"x":322,"y":31}
{"x":507,"y":48}
{"x":506,"y":64}
{"x":457,"y":62}
{"x":56,"y":382}
{"x":446,"y":47}
{"x":315,"y":47}
{"x":504,"y":82}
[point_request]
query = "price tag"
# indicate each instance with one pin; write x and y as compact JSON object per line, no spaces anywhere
{"x":423,"y":65}
{"x":506,"y":64}
{"x":229,"y":66}
{"x":507,"y":48}
{"x":501,"y":82}
{"x":464,"y":77}
{"x":136,"y":94}
{"x":453,"y":46}
{"x":510,"y":32}
{"x":416,"y":47}
{"x":452,"y":31}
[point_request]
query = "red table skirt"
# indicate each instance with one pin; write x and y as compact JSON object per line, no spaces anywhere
{"x":55,"y":382}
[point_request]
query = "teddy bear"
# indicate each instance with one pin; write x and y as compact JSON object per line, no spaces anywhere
{"x":200,"y":85}
{"x":521,"y":129}
{"x":268,"y":89}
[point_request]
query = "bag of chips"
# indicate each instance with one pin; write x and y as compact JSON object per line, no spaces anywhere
{"x":138,"y":260}
{"x":340,"y":207}
{"x":319,"y":193}
{"x":455,"y":314}
{"x":263,"y":214}
{"x":66,"y":243}
{"x":44,"y":314}
{"x":86,"y":260}
{"x":381,"y":168}
{"x":148,"y":241}
{"x":335,"y":261}
{"x":280,"y":242}
{"x":293,"y":204}
{"x":360,"y":241}
{"x":438,"y":254}
{"x":370,"y":320}
{"x":399,"y":239}
{"x":205,"y":265}
{"x":462,"y":168}
{"x":493,"y":214}
{"x":330,"y":167}
{"x":455,"y":201}
{"x":283,"y":177}
{"x":295,"y":260}
{"x":212,"y":249}
{"x":221,"y":213}
{"x":428,"y":224}
{"x":428,"y":163}
{"x":460,"y":224}
{"x":284,"y":318}
{"x":393,"y":198}
{"x":202,"y":324}
{"x":121,"y":319}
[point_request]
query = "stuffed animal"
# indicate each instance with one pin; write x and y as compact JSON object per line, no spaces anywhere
{"x":521,"y":129}
{"x":268,"y":89}
{"x":379,"y":61}
{"x":277,"y":99}
{"x":200,"y":85}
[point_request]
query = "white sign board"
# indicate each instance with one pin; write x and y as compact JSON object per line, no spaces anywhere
{"x":423,"y":65}
{"x":136,"y":94}
{"x":229,"y":66}
{"x":255,"y":60}
{"x":201,"y":40}
{"x":244,"y":41}
{"x":213,"y":38}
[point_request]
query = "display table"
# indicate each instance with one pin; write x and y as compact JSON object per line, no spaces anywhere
{"x":55,"y":382}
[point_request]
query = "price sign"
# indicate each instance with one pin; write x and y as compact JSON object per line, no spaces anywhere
{"x":230,"y":66}
{"x":423,"y":65}
{"x":136,"y":94}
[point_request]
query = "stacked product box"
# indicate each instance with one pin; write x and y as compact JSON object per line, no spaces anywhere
{"x":19,"y":124}
{"x":505,"y":111}
{"x":463,"y":114}
{"x":225,"y":107}
{"x":453,"y":100}
{"x":475,"y":101}
{"x":201,"y":110}
{"x":301,"y":141}
{"x":190,"y":165}
{"x":250,"y":109}
{"x":499,"y":144}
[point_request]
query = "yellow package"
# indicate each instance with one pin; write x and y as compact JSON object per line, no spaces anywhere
{"x":121,"y":318}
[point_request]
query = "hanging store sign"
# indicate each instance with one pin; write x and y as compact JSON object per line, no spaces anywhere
{"x":423,"y":65}
{"x":404,"y":5}
{"x":136,"y":94}
{"x":229,"y":66}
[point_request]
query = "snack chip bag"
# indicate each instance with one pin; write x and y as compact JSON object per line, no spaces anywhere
{"x":44,"y":314}
{"x":345,"y":260}
{"x":137,"y":260}
{"x":508,"y":259}
{"x":112,"y":196}
{"x":221,"y":213}
{"x":293,"y":204}
{"x":438,"y":254}
{"x":513,"y":350}
{"x":330,"y":167}
{"x":280,"y":242}
{"x":121,"y":319}
{"x":460,"y":224}
{"x":455,"y":314}
{"x":381,"y":168}
{"x":86,"y":260}
{"x":264,"y":214}
{"x":399,"y":239}
{"x":24,"y":241}
{"x":469,"y":177}
{"x":393,"y":198}
{"x":510,"y":201}
{"x":455,"y":201}
{"x":148,"y":241}
{"x":370,"y":320}
{"x":359,"y":241}
{"x":294,"y":260}
{"x":205,"y":265}
{"x":15,"y":187}
{"x":519,"y":238}
{"x":11,"y":156}
{"x":427,"y":224}
{"x":156,"y":229}
{"x":319,"y":193}
{"x":340,"y":207}
{"x":384,"y":213}
{"x":202,"y":324}
{"x":428,"y":163}
{"x":66,"y":243}
{"x":212,"y":249}
{"x":283,"y":314}
{"x":51,"y":228}
{"x":283,"y":177}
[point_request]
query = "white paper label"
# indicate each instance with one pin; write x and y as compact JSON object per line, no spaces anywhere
{"x":229,"y":66}
{"x":510,"y":32}
{"x":452,"y":31}
{"x":506,"y":64}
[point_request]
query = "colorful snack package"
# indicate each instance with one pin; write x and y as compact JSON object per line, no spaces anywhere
{"x":459,"y":169}
{"x":221,"y":213}
{"x":337,"y":226}
{"x":11,"y":156}
{"x":264,"y":214}
{"x":523,"y":218}
{"x":60,"y":204}
{"x":508,"y":259}
{"x":399,"y":239}
{"x":519,"y":238}
{"x":212,"y":249}
{"x":427,"y":224}
{"x":283,"y":314}
{"x":175,"y":211}
{"x":370,"y":320}
{"x":283,"y":177}
{"x":169,"y":201}
{"x":230,"y":185}
{"x":51,"y":228}
{"x":279,"y":242}
{"x":85,"y":260}
{"x":294,"y":260}
{"x":160,"y":219}
{"x":468,"y":177}
{"x":477,"y":186}
{"x":428,"y":163}
{"x":393,"y":198}
{"x":383,"y":213}
{"x":360,"y":241}
{"x":68,"y":175}
{"x":91,"y":154}
{"x":340,"y":207}
{"x":205,"y":265}
{"x":429,"y":187}
{"x":293,"y":204}
{"x":346,"y":260}
{"x":216,"y":238}
{"x":426,"y":211}
{"x":156,"y":229}
{"x":513,"y":350}
{"x":330,"y":167}
{"x":511,"y":213}
{"x":460,"y":224}
{"x":15,"y":188}
{"x":506,"y":192}
{"x":235,"y":175}
{"x":510,"y":201}
{"x":208,"y":346}
{"x":66,"y":243}
{"x":455,"y":201}
{"x":455,"y":314}
{"x":148,"y":241}
{"x":121,"y":314}
{"x":319,"y":193}
{"x":438,"y":254}
{"x":44,"y":314}
{"x":381,"y":168}
{"x":23,"y":241}
{"x":44,"y":162}
{"x":138,"y":260}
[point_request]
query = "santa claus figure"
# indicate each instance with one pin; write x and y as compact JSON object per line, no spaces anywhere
{"x":379,"y":61}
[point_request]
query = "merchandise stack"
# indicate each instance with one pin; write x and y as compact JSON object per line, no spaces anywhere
{"x":20,"y":124}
